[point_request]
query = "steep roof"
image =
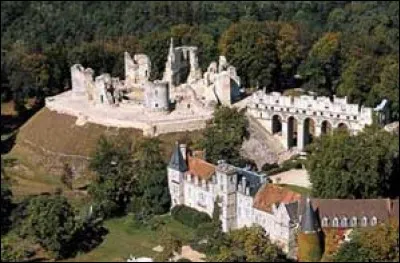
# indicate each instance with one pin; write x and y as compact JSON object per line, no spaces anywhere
{"x":309,"y":221}
{"x":270,"y":194}
{"x":292,"y":209}
{"x":177,"y":162}
{"x":330,"y":208}
{"x":200,"y":168}
{"x":253,"y":180}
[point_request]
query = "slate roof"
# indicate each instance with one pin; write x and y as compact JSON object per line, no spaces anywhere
{"x":177,"y":161}
{"x":309,"y":221}
{"x":253,"y":180}
{"x":330,"y":208}
{"x":292,"y":209}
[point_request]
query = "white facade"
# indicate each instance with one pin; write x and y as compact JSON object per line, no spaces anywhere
{"x":303,"y":115}
{"x":236,"y":203}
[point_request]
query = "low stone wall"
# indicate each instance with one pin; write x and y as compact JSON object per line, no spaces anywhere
{"x":150,"y":128}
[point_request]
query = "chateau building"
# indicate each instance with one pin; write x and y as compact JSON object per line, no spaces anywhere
{"x":247,"y":198}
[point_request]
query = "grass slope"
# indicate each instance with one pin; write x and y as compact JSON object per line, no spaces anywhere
{"x":124,"y":239}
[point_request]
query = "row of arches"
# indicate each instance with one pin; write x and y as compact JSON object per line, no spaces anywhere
{"x":309,"y":129}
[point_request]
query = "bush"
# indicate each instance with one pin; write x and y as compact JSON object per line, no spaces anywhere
{"x":183,"y":260}
{"x":269,"y":166}
{"x":189,"y":216}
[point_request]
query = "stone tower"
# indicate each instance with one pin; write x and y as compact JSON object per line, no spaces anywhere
{"x":176,"y":172}
{"x":156,"y":96}
{"x":226,"y":188}
{"x":309,"y":239}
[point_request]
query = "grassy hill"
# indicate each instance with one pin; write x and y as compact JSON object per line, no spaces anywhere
{"x":48,"y":140}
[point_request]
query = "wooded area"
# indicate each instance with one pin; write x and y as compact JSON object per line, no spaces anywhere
{"x":337,"y":47}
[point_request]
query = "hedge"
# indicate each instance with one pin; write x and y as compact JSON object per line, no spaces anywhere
{"x":189,"y":216}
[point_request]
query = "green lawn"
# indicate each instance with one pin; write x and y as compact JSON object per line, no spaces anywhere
{"x":124,"y":239}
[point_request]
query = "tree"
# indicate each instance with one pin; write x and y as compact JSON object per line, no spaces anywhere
{"x":321,"y":70}
{"x":249,"y":245}
{"x":375,"y":244}
{"x":224,"y":135}
{"x":6,"y":206}
{"x":250,"y":47}
{"x":114,"y":167}
{"x":361,"y":166}
{"x":50,"y":220}
{"x":151,"y":189}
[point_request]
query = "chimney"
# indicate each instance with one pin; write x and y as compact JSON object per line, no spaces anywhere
{"x":243,"y":183}
{"x":182,"y":147}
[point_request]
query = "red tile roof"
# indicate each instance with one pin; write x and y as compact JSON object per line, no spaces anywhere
{"x":271,"y":194}
{"x":200,"y":168}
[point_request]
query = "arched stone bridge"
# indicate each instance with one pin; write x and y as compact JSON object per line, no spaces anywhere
{"x":299,"y":119}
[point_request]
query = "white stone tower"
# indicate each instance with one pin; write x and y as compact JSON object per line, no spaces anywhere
{"x":227,"y":184}
{"x":176,"y":172}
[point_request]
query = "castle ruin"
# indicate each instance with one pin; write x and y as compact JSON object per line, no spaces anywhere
{"x":183,"y":99}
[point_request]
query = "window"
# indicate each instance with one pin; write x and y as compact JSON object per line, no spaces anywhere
{"x":156,"y":105}
{"x":335,"y":222}
{"x":277,"y":101}
{"x":272,"y":108}
{"x":304,"y":112}
{"x":287,"y":109}
{"x":348,"y":117}
{"x":354,"y":222}
{"x":314,"y":113}
{"x":374,"y":221}
{"x":338,"y":115}
{"x":343,"y":222}
{"x":355,"y":117}
{"x":325,"y":222}
{"x":156,"y":92}
{"x":364,"y":221}
{"x":257,"y":106}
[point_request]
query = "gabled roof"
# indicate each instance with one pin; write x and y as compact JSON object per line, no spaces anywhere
{"x":200,"y":168}
{"x":330,"y":208}
{"x":177,"y":162}
{"x":270,"y":194}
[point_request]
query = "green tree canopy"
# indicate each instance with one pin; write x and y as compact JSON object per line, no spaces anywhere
{"x":249,"y":245}
{"x":224,"y":135}
{"x":361,"y":166}
{"x":375,"y":244}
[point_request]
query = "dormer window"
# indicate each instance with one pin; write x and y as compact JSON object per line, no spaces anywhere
{"x":364,"y":221}
{"x":374,"y":221}
{"x":335,"y":222}
{"x":354,"y":222}
{"x":343,"y":222}
{"x":325,"y":222}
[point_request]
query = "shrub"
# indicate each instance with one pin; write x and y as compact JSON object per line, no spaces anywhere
{"x":189,"y":216}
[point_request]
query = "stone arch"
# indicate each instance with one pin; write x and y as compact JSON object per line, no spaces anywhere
{"x":343,"y":126}
{"x":276,"y":124}
{"x":326,"y":127}
{"x":292,"y":132}
{"x":309,"y":126}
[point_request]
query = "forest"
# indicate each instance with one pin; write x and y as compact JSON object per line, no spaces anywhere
{"x":343,"y":48}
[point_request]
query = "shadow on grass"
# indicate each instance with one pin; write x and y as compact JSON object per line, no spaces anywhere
{"x":10,"y":125}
